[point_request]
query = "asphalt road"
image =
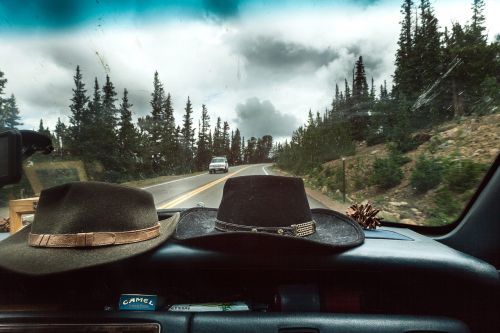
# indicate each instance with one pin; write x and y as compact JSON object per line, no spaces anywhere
{"x":204,"y":188}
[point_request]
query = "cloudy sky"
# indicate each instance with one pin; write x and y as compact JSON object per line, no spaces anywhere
{"x":261,"y":65}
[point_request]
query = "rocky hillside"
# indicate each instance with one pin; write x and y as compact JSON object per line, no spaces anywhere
{"x":462,"y":150}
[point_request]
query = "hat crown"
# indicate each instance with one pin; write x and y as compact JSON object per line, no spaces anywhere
{"x":106,"y":209}
{"x":264,"y":201}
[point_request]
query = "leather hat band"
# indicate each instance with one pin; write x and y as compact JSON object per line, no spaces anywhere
{"x":297,"y":230}
{"x":89,"y":239}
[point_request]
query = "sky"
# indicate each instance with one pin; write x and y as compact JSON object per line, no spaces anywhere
{"x":260,"y":65}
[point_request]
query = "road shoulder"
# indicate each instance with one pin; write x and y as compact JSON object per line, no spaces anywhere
{"x":315,"y":194}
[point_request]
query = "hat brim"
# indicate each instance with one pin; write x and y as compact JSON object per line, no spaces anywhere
{"x":334,"y":231}
{"x":16,"y":255}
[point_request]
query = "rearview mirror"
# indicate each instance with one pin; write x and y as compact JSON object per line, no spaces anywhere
{"x":10,"y":157}
{"x":16,"y":146}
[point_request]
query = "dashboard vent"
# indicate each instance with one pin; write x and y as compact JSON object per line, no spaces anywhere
{"x":79,"y":328}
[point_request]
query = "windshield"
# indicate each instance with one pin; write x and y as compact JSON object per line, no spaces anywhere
{"x":396,"y":103}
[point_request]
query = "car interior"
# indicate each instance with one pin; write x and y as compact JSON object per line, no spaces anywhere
{"x":402,"y":279}
{"x":198,"y":166}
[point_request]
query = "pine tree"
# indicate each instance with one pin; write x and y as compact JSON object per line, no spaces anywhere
{"x":467,"y":46}
{"x":61,"y":135}
{"x":210,"y":142}
{"x":128,"y":139}
{"x":250,"y":156}
{"x":480,"y":60}
{"x":404,"y":72}
{"x":347,"y":92}
{"x":477,"y":27}
{"x":95,"y":105}
{"x":454,"y":47}
{"x":107,"y":124}
{"x":91,"y":127}
{"x":152,"y":127}
{"x":318,"y":121}
{"x":372,"y":91}
{"x":243,"y":150}
{"x":217,"y":147}
{"x":336,"y":103}
{"x":180,"y":166}
{"x":384,"y":95}
{"x":109,"y":110}
{"x":360,"y":86}
{"x":187,"y":127}
{"x":187,"y":135}
{"x":156,"y":111}
{"x":359,"y":109}
{"x":226,"y":140}
{"x":168,"y":145}
{"x":77,"y":108}
{"x":43,"y":130}
{"x":267,"y":146}
{"x":203,"y":152}
{"x":3,"y":81}
{"x":11,"y":113}
{"x":236,"y":148}
{"x":428,"y":47}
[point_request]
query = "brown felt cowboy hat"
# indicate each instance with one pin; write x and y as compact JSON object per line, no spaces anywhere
{"x":85,"y":224}
{"x":266,"y":211}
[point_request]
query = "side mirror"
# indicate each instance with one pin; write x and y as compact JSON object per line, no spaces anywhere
{"x":10,"y":157}
{"x":16,"y":146}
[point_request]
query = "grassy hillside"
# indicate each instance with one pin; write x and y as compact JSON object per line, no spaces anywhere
{"x":429,"y":185}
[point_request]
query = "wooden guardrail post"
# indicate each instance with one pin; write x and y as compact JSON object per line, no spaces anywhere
{"x":17,"y":208}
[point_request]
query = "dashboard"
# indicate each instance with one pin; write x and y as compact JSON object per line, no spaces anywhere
{"x":397,"y":281}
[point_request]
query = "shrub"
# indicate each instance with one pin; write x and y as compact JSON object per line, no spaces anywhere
{"x":434,"y":144}
{"x":318,"y":180}
{"x":374,"y":139}
{"x":329,"y":171}
{"x":315,"y":172}
{"x":334,"y":180}
{"x":426,"y":175}
{"x":490,"y":100}
{"x":447,"y":208}
{"x":404,"y":143}
{"x":461,"y":175}
{"x":386,"y":173}
{"x":359,"y":178}
{"x":396,"y":155}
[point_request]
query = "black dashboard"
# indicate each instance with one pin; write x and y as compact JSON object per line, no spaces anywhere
{"x":397,"y":281}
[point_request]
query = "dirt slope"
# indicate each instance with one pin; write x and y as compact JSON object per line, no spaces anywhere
{"x":474,"y":138}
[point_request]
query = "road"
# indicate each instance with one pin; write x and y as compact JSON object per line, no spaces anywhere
{"x":206,"y":188}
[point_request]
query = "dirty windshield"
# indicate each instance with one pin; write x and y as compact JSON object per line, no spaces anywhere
{"x":392,"y":102}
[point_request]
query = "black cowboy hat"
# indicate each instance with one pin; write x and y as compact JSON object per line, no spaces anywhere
{"x":266,"y":210}
{"x":85,"y":224}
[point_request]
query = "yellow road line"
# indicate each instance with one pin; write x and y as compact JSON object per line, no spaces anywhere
{"x":198,"y":190}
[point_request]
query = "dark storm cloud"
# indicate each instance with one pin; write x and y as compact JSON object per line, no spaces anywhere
{"x":373,"y":65}
{"x":49,"y":97}
{"x":256,"y":118}
{"x":270,"y":52}
{"x":68,"y":57}
{"x":140,"y":99}
{"x":276,"y":59}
